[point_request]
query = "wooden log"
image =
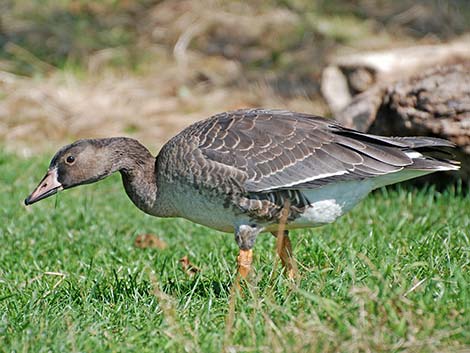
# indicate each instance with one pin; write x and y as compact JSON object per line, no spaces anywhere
{"x":434,"y":103}
{"x":351,"y":75}
{"x":422,"y":90}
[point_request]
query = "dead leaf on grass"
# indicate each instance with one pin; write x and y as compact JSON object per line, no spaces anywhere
{"x":188,"y":267}
{"x":144,"y":241}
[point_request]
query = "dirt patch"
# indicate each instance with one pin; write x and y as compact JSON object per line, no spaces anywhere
{"x":39,"y":115}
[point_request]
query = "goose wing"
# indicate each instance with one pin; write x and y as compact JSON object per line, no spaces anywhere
{"x":275,"y":150}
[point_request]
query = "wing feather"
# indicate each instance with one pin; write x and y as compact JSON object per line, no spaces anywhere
{"x":275,"y":150}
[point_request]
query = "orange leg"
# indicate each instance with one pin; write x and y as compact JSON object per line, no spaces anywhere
{"x":245,"y":258}
{"x":284,"y":250}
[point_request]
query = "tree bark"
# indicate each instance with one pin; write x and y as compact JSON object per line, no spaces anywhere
{"x":350,"y":75}
{"x":434,"y":103}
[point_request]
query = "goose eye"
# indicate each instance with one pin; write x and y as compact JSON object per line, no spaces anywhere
{"x":70,"y":159}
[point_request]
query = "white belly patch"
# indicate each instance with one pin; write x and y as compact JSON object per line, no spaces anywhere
{"x":321,"y":212}
{"x":331,"y":202}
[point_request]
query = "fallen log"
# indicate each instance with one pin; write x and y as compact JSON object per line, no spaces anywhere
{"x":433,"y":102}
{"x":350,"y":75}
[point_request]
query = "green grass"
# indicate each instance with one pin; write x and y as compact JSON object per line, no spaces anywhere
{"x":393,"y":275}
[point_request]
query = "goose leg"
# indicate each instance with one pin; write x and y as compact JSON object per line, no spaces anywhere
{"x":245,"y":237}
{"x":244,"y":259}
{"x":284,"y":250}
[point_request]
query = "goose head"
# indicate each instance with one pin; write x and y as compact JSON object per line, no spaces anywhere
{"x":82,"y":162}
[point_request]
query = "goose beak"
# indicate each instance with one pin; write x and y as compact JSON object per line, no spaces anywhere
{"x":48,"y":186}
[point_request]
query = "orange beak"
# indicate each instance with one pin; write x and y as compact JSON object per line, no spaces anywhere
{"x":48,"y":186}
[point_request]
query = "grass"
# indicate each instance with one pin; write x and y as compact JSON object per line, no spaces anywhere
{"x":392,"y":275}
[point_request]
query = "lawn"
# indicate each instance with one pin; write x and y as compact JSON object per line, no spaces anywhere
{"x":393,"y":275}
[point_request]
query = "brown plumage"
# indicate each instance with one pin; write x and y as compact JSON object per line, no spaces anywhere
{"x":235,"y":171}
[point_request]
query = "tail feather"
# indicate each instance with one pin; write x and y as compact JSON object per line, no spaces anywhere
{"x":422,"y":141}
{"x":433,"y":164}
{"x":426,"y":153}
{"x":410,"y":157}
{"x":395,"y":141}
{"x":430,"y":153}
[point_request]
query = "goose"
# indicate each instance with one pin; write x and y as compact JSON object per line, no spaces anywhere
{"x":250,"y":171}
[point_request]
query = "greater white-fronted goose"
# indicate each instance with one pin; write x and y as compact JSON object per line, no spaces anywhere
{"x":241,"y":171}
